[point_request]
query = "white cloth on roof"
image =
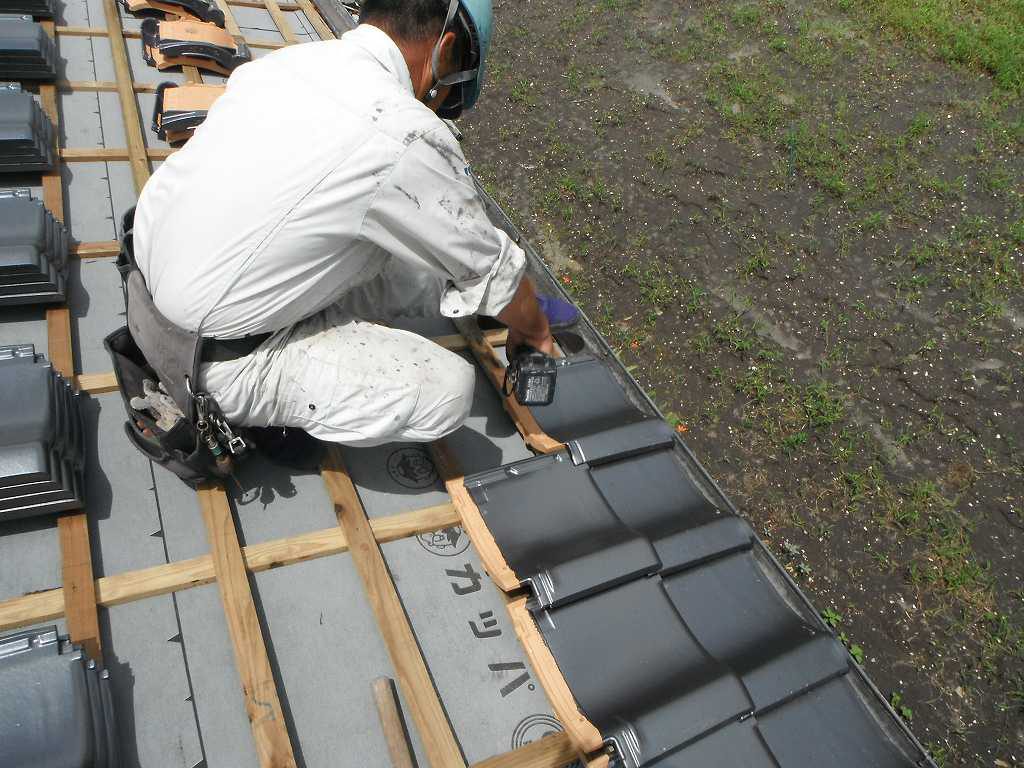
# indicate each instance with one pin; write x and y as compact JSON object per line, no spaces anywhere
{"x":315,"y":164}
{"x":318,"y":196}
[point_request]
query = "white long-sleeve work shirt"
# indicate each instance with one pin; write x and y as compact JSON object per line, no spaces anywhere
{"x":314,"y":168}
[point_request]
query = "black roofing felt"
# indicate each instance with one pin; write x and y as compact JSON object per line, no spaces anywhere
{"x":56,"y":708}
{"x":680,"y":639}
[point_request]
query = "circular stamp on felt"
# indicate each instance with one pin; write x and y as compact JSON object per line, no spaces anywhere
{"x":534,"y":728}
{"x":448,"y":542}
{"x":412,"y":468}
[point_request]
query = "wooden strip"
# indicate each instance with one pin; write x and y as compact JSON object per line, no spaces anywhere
{"x":258,"y":4}
{"x":386,"y":698}
{"x":314,"y":17}
{"x":104,"y":86}
{"x":521,"y":416}
{"x":191,"y":74}
{"x":96,"y":250}
{"x":129,"y":106}
{"x":110,"y":154}
{"x":271,"y":44}
{"x":53,"y":189}
{"x":229,"y":19}
{"x":273,"y":746}
{"x":281,"y":21}
{"x":31,"y":609}
{"x":472,"y":520}
{"x":417,"y":687}
{"x":81,"y":31}
{"x":457,"y":342}
{"x":184,"y":574}
{"x":553,"y":751}
{"x":153,"y":581}
{"x":79,"y":590}
{"x":584,"y":735}
{"x":79,"y":587}
{"x":58,"y":332}
{"x":97,"y":383}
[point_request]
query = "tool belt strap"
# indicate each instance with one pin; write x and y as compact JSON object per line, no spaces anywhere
{"x":172,"y":353}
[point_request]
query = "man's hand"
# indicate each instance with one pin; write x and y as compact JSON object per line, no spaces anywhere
{"x":545,"y":344}
{"x":527,"y":324}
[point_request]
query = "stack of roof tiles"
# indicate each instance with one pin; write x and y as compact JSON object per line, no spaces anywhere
{"x":677,"y":634}
{"x":56,"y":708}
{"x":42,"y":445}
{"x":171,"y":10}
{"x":26,"y":51}
{"x":189,"y":42}
{"x":40,"y":9}
{"x":26,"y":134}
{"x":180,"y":109}
{"x":33,"y":251}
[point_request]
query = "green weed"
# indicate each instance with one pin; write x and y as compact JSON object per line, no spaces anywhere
{"x":746,"y":15}
{"x":734,"y":334}
{"x":896,"y":700}
{"x":821,"y":405}
{"x":523,"y":94}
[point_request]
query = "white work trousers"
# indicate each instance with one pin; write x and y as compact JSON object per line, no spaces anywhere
{"x":346,"y":379}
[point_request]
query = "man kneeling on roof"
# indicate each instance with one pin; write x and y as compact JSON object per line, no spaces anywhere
{"x":323,"y":197}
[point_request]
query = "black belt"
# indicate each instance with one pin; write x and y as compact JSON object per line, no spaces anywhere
{"x":225,"y":350}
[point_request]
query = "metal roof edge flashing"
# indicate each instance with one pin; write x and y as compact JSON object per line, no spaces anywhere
{"x":339,"y":20}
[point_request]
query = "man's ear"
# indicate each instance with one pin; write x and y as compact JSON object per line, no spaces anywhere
{"x":446,"y":57}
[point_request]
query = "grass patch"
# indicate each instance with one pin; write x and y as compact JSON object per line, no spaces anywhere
{"x":985,"y":34}
{"x":975,"y":263}
{"x":747,"y":97}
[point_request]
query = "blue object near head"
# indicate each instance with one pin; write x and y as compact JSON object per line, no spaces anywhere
{"x":481,"y":17}
{"x":477,"y":20}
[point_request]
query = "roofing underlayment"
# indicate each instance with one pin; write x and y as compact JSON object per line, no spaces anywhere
{"x":608,"y":582}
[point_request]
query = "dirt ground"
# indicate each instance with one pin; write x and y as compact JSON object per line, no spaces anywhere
{"x":804,"y":236}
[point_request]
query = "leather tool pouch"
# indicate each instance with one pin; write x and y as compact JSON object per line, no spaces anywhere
{"x":172,"y":357}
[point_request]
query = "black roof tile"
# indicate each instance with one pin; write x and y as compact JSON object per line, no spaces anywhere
{"x":743,"y":621}
{"x":588,"y":399}
{"x":653,"y":495}
{"x":831,"y":726}
{"x":56,"y":708}
{"x":736,"y":745}
{"x":556,"y":531}
{"x":638,"y":673}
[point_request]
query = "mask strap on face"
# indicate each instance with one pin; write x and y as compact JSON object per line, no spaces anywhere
{"x":435,"y":59}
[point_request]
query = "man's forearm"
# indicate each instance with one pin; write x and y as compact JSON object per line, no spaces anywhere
{"x":525,"y":320}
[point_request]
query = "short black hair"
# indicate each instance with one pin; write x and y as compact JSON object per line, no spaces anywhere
{"x":406,"y":19}
{"x":415,"y":20}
